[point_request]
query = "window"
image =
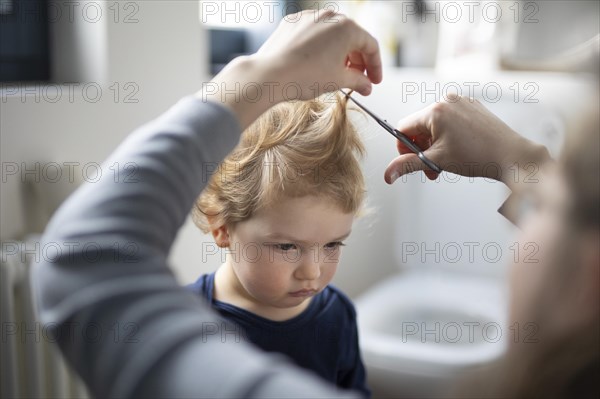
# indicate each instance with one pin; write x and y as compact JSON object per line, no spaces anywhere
{"x":24,"y":41}
{"x":240,"y":27}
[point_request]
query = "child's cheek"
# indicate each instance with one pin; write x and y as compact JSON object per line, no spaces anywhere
{"x":271,"y":275}
{"x":329,"y":271}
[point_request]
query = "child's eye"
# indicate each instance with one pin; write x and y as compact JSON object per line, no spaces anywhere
{"x":285,"y":247}
{"x":334,"y":245}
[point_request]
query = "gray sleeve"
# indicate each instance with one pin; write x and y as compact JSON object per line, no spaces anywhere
{"x":104,"y":291}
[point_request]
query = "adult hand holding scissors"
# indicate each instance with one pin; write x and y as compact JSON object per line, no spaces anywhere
{"x":463,"y":137}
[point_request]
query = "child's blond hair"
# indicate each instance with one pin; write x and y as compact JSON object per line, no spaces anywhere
{"x":294,"y":149}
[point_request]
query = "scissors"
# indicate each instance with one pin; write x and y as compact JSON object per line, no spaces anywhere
{"x":399,"y":135}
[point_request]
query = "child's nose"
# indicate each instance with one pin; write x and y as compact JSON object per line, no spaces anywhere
{"x":308,"y":270}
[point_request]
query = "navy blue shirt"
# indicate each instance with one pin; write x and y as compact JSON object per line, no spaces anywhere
{"x":323,"y":338}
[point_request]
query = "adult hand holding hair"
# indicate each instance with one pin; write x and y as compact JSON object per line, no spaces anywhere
{"x":310,"y":53}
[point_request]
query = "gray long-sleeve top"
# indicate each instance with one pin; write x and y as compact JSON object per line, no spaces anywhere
{"x":104,"y":290}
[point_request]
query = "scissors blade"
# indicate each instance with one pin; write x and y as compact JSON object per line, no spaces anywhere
{"x":397,"y":134}
{"x":382,"y":122}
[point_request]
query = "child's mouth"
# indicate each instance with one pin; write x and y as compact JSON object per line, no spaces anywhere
{"x":303,"y":293}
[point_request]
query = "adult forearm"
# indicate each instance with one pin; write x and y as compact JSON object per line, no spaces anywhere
{"x":521,"y":163}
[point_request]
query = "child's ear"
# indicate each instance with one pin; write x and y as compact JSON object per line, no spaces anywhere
{"x":221,"y":236}
{"x":220,"y":232}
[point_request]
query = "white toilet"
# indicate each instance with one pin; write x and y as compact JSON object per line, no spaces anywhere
{"x":420,"y":332}
{"x":445,"y":311}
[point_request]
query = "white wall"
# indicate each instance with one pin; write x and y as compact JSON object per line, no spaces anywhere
{"x":154,"y":54}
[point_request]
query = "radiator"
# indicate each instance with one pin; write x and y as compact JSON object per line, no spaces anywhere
{"x":32,"y":365}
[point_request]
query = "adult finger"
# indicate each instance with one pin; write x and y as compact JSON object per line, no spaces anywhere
{"x":369,"y":49}
{"x":363,"y":43}
{"x":417,"y":126}
{"x":408,"y":163}
{"x":357,"y":81}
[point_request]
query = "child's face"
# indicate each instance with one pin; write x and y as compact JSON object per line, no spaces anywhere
{"x":287,"y":253}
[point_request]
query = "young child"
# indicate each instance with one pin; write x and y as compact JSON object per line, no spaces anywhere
{"x":282,"y":203}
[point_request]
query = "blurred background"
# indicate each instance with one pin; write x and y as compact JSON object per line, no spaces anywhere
{"x":78,"y":77}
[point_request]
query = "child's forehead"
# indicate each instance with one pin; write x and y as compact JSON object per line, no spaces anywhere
{"x":302,"y":218}
{"x":291,"y":206}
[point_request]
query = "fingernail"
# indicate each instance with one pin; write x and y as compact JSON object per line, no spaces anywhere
{"x":393,"y":177}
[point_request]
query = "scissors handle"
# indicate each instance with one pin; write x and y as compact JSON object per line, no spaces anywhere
{"x":414,"y":148}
